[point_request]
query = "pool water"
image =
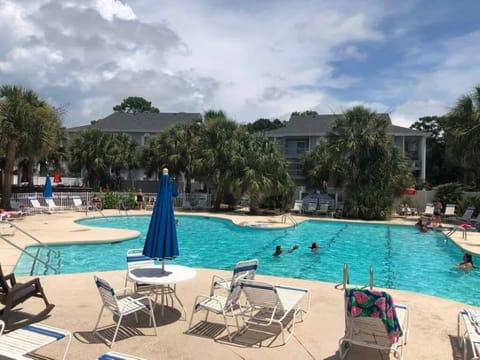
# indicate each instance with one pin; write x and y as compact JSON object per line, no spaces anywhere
{"x":401,"y":256}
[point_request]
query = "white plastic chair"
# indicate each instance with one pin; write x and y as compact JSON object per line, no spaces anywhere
{"x":221,"y":305}
{"x":271,"y":304}
{"x":37,"y":207}
{"x":428,"y":210}
{"x":245,"y":269}
{"x":297,"y":207}
{"x":121,"y":306}
{"x":323,"y":209}
{"x":18,"y":343}
{"x":370,"y":331}
{"x":52,"y":207}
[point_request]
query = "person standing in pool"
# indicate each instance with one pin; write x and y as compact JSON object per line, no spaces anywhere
{"x":314,"y":247}
{"x":467,"y":262}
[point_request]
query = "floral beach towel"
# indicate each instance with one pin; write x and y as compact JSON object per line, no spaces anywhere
{"x":378,"y":304}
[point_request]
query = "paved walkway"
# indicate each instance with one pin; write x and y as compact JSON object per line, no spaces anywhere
{"x":433,"y":320}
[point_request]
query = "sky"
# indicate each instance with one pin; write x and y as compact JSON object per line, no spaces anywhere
{"x":250,"y":58}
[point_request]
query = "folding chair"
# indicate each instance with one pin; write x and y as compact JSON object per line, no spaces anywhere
{"x":121,"y":306}
{"x":30,"y":338}
{"x":373,"y":320}
{"x":244,"y":269}
{"x":221,"y":305}
{"x":272,"y":305}
{"x":13,"y":294}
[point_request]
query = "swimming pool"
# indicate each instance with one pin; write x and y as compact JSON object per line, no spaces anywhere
{"x":402,"y":257}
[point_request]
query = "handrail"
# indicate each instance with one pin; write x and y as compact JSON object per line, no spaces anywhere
{"x":27,"y":253}
{"x":289,"y":217}
{"x":346,"y":275}
{"x":371,"y":277}
{"x":57,"y":253}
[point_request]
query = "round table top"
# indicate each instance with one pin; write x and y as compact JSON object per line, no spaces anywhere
{"x":154,"y":275}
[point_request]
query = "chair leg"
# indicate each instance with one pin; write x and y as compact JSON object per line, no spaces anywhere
{"x":98,"y":320}
{"x":116,"y":330}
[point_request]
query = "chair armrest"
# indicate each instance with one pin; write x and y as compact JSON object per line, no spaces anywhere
{"x":10,"y":277}
{"x":125,"y":291}
{"x":2,"y":326}
{"x":218,"y":282}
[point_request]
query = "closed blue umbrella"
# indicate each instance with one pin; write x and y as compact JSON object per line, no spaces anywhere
{"x":47,"y":190}
{"x":161,"y":241}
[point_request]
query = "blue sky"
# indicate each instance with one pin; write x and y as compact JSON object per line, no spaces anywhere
{"x":251,"y":59}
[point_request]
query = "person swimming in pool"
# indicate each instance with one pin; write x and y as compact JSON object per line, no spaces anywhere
{"x":279,"y":250}
{"x":314,"y":247}
{"x":467,"y":262}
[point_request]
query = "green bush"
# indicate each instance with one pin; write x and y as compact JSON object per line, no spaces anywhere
{"x":451,"y":193}
{"x":111,"y":200}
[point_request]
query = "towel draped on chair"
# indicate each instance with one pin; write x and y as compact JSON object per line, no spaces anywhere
{"x":378,"y":304}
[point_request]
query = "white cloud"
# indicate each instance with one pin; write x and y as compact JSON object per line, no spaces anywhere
{"x":410,"y":111}
{"x":113,"y":8}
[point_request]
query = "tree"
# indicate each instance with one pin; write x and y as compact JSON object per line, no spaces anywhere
{"x":371,"y":167}
{"x":462,"y":131}
{"x":20,"y":108}
{"x":262,"y":125}
{"x":307,"y":112}
{"x":262,"y":171}
{"x":134,"y":104}
{"x":438,"y":170}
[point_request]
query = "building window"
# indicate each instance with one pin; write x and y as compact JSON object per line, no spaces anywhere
{"x":295,"y":147}
{"x":145,"y":138}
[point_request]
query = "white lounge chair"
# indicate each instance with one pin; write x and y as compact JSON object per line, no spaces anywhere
{"x":78,"y":204}
{"x":297,"y":207}
{"x":467,"y":215}
{"x":221,"y":305}
{"x":323,"y":209}
{"x":271,"y":304}
{"x":367,"y":313}
{"x":37,"y":207}
{"x":121,"y":306}
{"x":311,"y":207}
{"x":428,"y":210}
{"x":113,"y":355}
{"x":52,"y":207}
{"x":470,"y":337}
{"x":18,"y":343}
{"x":186,"y":205}
{"x":245,"y":269}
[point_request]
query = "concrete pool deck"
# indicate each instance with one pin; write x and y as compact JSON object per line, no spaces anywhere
{"x":433,"y":321}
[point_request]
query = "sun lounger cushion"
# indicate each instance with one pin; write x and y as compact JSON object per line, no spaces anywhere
{"x":371,"y":303}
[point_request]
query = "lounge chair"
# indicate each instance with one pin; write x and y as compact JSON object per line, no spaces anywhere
{"x":428,"y":210}
{"x":186,"y":205}
{"x":311,"y":207}
{"x":78,"y":204}
{"x":449,"y":210}
{"x":30,"y":338}
{"x":37,"y":207}
{"x":13,"y":294}
{"x":121,"y":306}
{"x":52,"y":207}
{"x":245,"y":269}
{"x":476,"y":221}
{"x":227,"y":305}
{"x":272,"y":304}
{"x":323,"y":209}
{"x":467,"y":215}
{"x":471,"y":334}
{"x":112,"y":355}
{"x":373,"y":320}
{"x":297,"y":207}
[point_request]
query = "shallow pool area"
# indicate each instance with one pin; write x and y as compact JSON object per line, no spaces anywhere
{"x":402,"y":257}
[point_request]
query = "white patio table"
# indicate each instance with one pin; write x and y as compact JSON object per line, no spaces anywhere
{"x":171,"y":275}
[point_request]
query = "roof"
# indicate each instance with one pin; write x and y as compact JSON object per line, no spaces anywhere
{"x":319,"y":125}
{"x":139,"y":122}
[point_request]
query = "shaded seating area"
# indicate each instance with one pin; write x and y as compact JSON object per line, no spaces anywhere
{"x":13,"y":294}
{"x":372,"y":320}
{"x":279,"y":305}
{"x":18,"y":343}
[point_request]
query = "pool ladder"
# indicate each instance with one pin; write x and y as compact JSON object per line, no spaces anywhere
{"x":286,"y":217}
{"x":51,"y":253}
{"x":346,"y":277}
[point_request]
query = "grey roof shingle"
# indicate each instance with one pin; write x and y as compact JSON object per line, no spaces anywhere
{"x":139,"y":122}
{"x":319,"y":125}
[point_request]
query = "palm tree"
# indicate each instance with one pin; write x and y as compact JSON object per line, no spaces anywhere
{"x":18,"y":108}
{"x":462,"y":131}
{"x":373,"y":169}
{"x":262,"y":170}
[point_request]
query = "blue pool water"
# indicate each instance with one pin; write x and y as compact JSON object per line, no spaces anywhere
{"x":402,"y":257}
